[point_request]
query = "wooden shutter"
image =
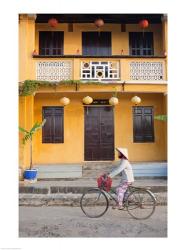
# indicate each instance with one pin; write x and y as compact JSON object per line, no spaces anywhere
{"x":148,"y":124}
{"x":51,"y":43}
{"x":104,"y":43}
{"x":47,"y":130}
{"x":58,"y":125}
{"x":44,"y":43}
{"x":143,"y":127}
{"x":96,"y":43}
{"x":57,"y":43}
{"x":135,"y":43}
{"x":53,"y":130}
{"x":147,"y":43}
{"x":141,"y":44}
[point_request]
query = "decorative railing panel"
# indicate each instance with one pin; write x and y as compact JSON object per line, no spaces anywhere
{"x":54,"y":71}
{"x":100,"y":70}
{"x":146,"y":71}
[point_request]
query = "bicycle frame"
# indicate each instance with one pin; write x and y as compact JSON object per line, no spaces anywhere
{"x":110,"y":194}
{"x":130,"y":190}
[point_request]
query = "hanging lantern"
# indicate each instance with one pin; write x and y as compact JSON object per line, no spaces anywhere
{"x":65,"y":101}
{"x":136,"y":100}
{"x":113,"y":101}
{"x":99,"y":23}
{"x":144,"y":24}
{"x":53,"y":22}
{"x":87,"y":100}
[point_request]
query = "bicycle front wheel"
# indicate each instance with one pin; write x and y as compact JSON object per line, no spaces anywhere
{"x":141,"y":204}
{"x":94,"y":203}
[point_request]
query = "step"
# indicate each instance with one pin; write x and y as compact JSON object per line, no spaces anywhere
{"x":67,"y":199}
{"x":150,"y":169}
{"x":72,"y":189}
{"x":94,"y":169}
{"x":144,"y":169}
{"x":58,"y":171}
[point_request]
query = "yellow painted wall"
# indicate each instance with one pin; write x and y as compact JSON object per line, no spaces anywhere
{"x":111,"y":88}
{"x":26,"y":47}
{"x":140,"y":151}
{"x":72,"y":150}
{"x":30,"y":107}
{"x":22,"y":117}
{"x":120,"y":40}
{"x":26,"y":121}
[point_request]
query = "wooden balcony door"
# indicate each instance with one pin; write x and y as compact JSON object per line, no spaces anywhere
{"x":96,"y":43}
{"x":99,"y":134}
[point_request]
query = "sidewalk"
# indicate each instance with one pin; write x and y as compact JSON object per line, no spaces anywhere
{"x":69,"y":191}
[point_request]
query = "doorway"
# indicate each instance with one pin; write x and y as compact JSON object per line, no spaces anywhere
{"x":99,"y":133}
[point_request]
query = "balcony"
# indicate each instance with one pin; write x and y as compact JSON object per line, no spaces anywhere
{"x":112,"y":69}
{"x":146,"y":70}
{"x":100,"y":70}
{"x":53,"y":70}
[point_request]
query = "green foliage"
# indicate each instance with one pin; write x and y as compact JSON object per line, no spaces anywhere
{"x":161,"y":117}
{"x":28,"y":87}
{"x":28,"y":135}
{"x":23,"y":130}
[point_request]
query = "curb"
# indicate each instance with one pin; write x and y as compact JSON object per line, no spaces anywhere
{"x":74,"y":190}
{"x":70,"y":199}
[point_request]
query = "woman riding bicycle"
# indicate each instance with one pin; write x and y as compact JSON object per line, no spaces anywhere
{"x":127,"y":178}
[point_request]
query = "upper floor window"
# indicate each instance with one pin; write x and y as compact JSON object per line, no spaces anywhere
{"x":143,"y":129}
{"x":141,"y":43}
{"x":51,"y":43}
{"x":96,"y":43}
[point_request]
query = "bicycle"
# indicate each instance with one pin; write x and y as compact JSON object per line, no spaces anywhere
{"x":139,"y":202}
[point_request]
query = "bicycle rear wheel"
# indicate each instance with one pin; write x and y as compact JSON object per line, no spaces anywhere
{"x":94,"y":203}
{"x":141,"y":204}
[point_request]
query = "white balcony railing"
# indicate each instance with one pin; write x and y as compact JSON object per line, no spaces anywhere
{"x":54,"y":71}
{"x":132,"y":71}
{"x":99,"y":70}
{"x":146,"y":71}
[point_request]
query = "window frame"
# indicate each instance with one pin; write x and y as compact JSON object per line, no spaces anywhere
{"x":88,"y":49}
{"x":139,"y":37}
{"x":143,"y":134}
{"x":48,"y":43}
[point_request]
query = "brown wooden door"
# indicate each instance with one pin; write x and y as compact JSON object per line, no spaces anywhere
{"x":99,"y":133}
{"x":96,"y":43}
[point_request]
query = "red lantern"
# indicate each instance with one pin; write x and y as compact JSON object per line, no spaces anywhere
{"x":99,"y":23}
{"x":53,"y":22}
{"x":144,"y":24}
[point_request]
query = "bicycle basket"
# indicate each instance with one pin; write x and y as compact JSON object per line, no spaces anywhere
{"x":104,"y":182}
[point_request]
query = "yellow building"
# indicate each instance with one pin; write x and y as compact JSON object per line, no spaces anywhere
{"x":79,"y":55}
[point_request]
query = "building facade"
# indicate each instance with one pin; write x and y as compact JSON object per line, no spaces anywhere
{"x":75,"y":56}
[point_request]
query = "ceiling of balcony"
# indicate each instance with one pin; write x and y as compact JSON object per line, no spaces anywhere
{"x":108,"y":18}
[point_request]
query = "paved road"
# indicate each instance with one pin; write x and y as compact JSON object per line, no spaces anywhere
{"x":71,"y":222}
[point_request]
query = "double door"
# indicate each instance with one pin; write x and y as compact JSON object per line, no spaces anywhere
{"x":99,"y":133}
